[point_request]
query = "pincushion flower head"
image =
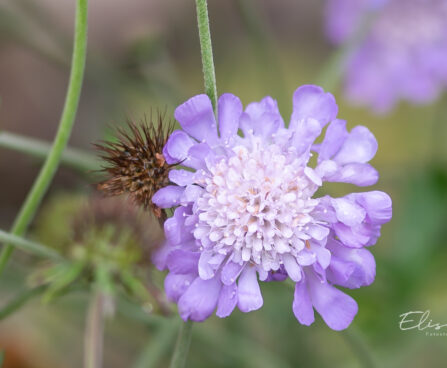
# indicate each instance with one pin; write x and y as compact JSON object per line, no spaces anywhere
{"x":246,"y":208}
{"x":403,"y":55}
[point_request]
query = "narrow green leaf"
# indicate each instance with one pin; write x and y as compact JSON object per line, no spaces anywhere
{"x":83,"y":161}
{"x":29,"y":246}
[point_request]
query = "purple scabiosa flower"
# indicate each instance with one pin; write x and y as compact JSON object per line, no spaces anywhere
{"x":403,"y":55}
{"x":246,"y":208}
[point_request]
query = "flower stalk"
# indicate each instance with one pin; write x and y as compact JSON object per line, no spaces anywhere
{"x":209,"y":75}
{"x":94,"y":332}
{"x":51,"y":164}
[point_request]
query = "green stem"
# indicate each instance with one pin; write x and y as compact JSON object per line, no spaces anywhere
{"x":29,"y":246}
{"x":74,"y":158}
{"x":94,"y":332}
{"x":51,"y":164}
{"x":209,"y":75}
{"x":207,"y":51}
{"x":18,"y":301}
{"x":182,"y":345}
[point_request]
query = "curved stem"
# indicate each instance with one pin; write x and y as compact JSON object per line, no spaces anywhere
{"x":94,"y":332}
{"x":51,"y":164}
{"x":182,"y":345}
{"x":209,"y":75}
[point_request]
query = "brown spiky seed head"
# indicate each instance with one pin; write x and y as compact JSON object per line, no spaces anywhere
{"x":136,"y":163}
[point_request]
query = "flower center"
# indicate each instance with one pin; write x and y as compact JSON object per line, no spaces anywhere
{"x":256,"y":205}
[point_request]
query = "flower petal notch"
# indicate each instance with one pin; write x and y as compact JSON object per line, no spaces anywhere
{"x":247,"y":211}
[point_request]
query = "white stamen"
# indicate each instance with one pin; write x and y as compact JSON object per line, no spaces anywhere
{"x":256,"y":204}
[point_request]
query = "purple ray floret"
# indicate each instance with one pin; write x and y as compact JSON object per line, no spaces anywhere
{"x":246,"y":210}
{"x":403,"y":55}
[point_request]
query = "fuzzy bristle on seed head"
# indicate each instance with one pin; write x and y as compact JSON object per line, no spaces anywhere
{"x":136,"y":163}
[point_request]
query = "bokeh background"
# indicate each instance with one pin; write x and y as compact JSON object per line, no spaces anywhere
{"x":145,"y":54}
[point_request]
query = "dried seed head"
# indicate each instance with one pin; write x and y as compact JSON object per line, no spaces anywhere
{"x":105,"y":236}
{"x":137,"y":166}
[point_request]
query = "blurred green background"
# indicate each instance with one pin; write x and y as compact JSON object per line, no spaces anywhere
{"x":145,"y":54}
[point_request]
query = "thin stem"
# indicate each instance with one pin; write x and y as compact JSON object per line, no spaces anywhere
{"x":94,"y":332}
{"x":209,"y":76}
{"x":51,"y":164}
{"x":207,"y":51}
{"x":74,"y":158}
{"x":29,"y":246}
{"x":18,"y":301}
{"x":182,"y":345}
